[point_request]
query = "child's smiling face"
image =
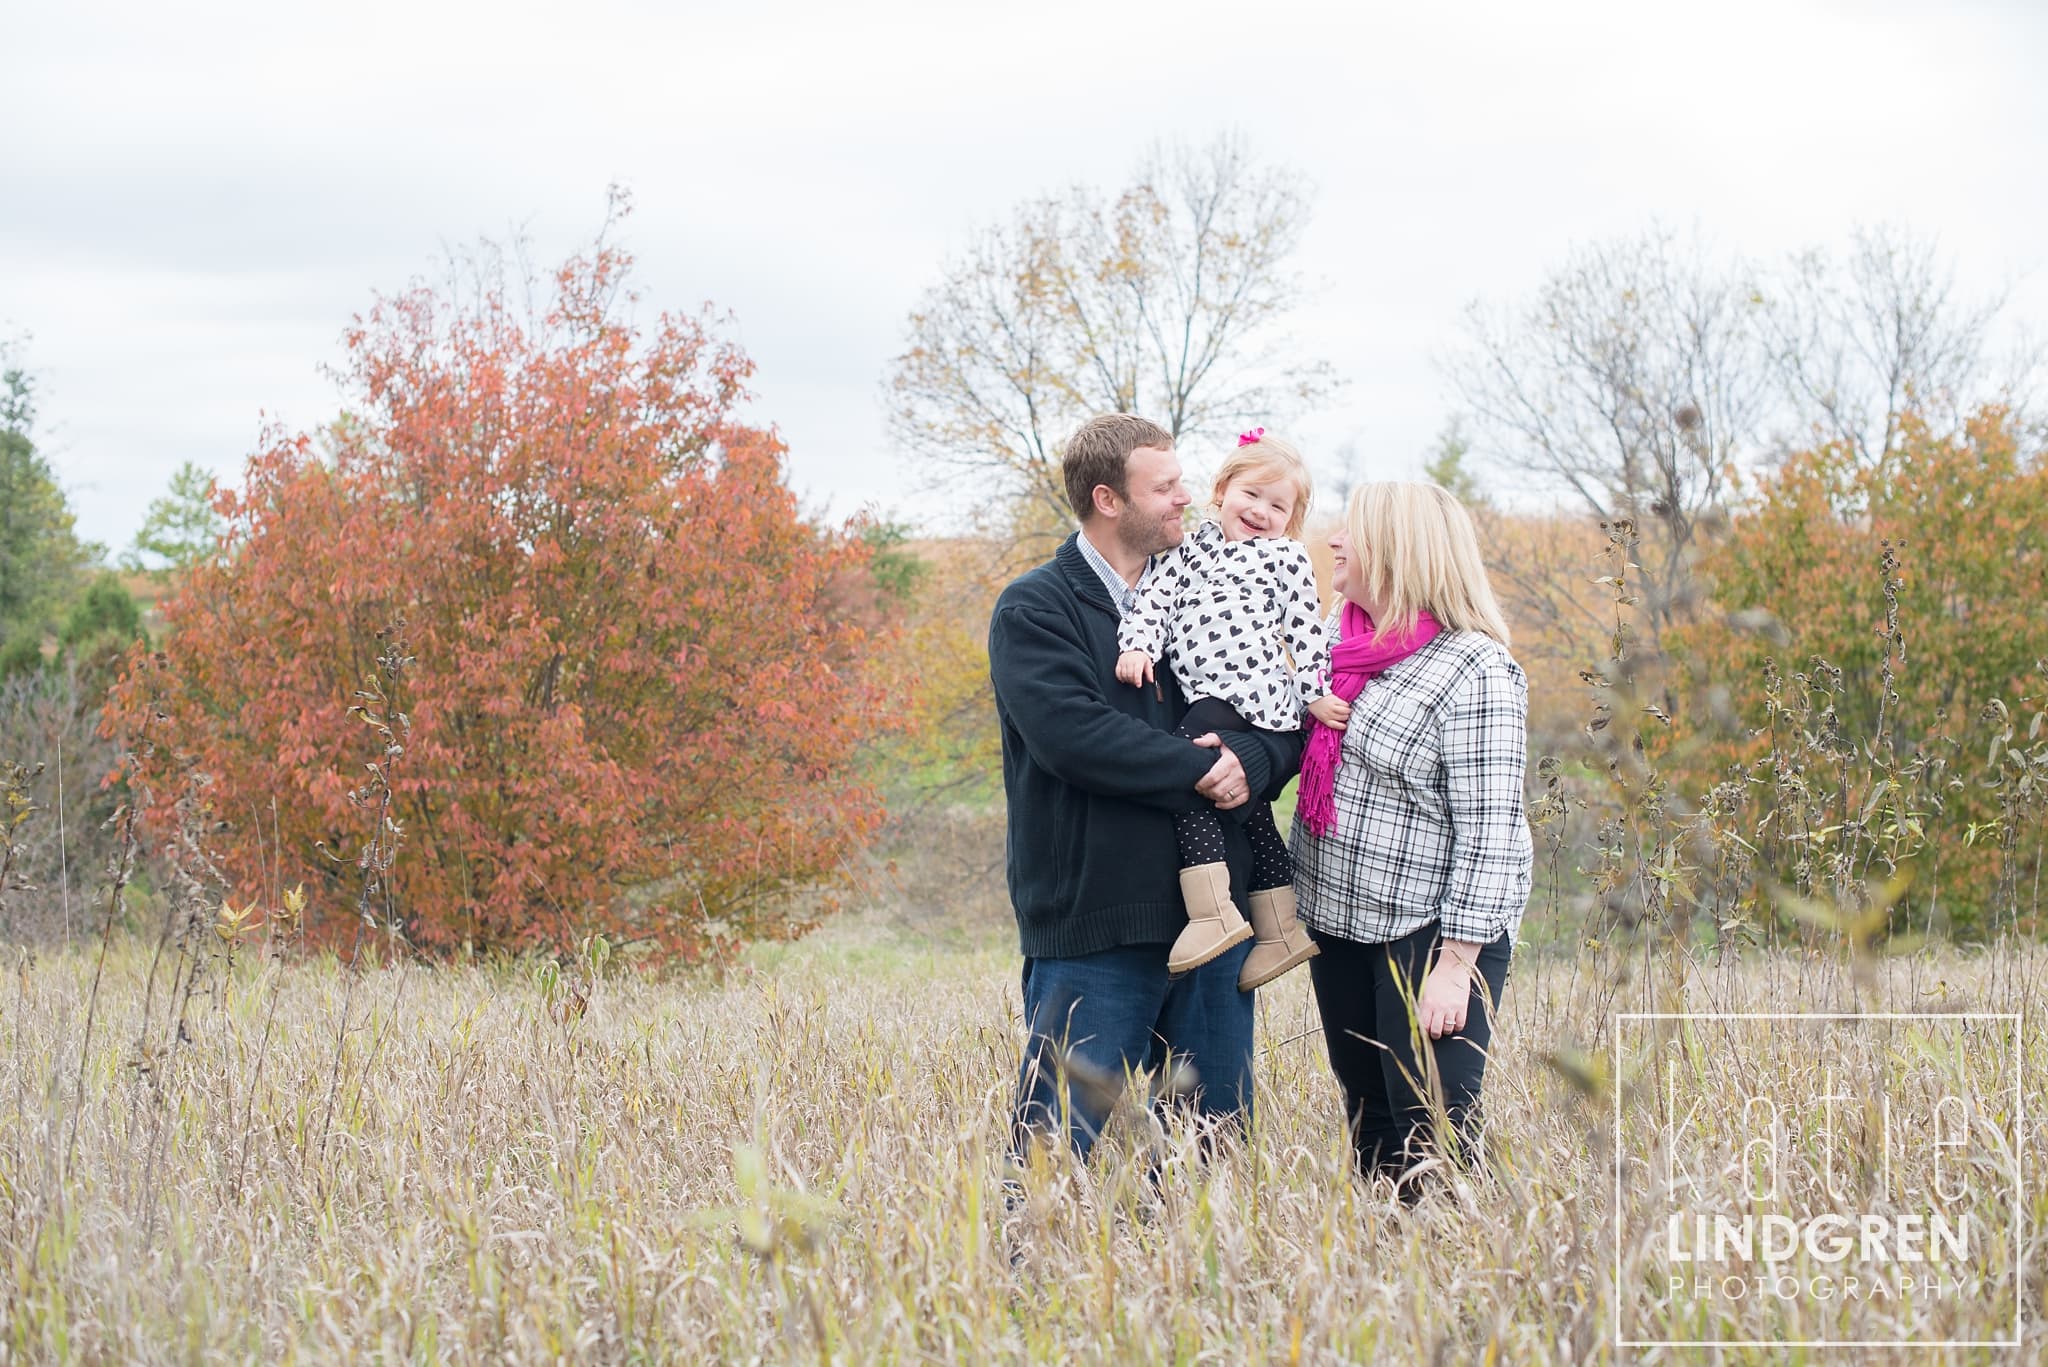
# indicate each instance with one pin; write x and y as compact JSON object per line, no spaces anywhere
{"x":1257,"y":503}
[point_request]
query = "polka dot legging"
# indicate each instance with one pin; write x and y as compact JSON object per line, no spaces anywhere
{"x":1201,"y":831}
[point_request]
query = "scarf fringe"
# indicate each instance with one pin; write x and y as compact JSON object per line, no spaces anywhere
{"x":1317,"y":790}
{"x":1359,"y":656}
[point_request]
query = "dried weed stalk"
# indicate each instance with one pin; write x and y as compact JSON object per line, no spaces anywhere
{"x":392,"y":729}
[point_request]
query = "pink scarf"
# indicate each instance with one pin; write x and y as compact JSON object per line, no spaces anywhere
{"x":1361,"y":654}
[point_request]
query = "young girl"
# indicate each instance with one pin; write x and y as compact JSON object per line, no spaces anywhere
{"x":1233,"y":609}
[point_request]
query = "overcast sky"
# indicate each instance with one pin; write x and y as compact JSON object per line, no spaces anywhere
{"x":195,"y":198}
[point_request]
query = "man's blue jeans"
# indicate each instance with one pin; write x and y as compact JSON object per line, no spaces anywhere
{"x":1096,"y":1017}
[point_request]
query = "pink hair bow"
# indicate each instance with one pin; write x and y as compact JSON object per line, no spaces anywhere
{"x":1250,"y":438}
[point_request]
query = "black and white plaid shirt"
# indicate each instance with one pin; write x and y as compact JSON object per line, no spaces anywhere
{"x":1431,"y":824}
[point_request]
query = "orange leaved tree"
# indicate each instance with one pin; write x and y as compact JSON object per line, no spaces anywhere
{"x":1906,"y":595}
{"x":633,"y":708}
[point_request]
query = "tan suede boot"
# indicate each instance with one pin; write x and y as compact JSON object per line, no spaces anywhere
{"x":1214,"y":923}
{"x":1282,"y":943}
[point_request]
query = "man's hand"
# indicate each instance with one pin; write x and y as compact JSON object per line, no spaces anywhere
{"x":1447,"y":991}
{"x":1134,"y":667}
{"x":1225,"y":783}
{"x":1331,"y":711}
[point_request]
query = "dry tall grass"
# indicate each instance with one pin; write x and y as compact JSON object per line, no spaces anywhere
{"x":802,"y":1163}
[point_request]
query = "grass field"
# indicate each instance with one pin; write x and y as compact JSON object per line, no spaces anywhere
{"x":801,"y":1162}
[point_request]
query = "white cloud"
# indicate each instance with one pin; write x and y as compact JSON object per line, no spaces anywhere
{"x":204,"y":195}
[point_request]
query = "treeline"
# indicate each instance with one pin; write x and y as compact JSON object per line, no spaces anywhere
{"x":539,"y":612}
{"x":1708,"y":484}
{"x":1843,"y":719}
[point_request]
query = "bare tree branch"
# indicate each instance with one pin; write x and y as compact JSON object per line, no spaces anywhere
{"x":1632,"y":382}
{"x":1854,"y":344}
{"x":1646,"y":371}
{"x":1164,"y":299}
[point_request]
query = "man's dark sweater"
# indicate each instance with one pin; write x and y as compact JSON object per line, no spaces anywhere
{"x":1093,"y":775}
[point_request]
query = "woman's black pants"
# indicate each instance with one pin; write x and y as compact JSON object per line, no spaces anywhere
{"x":1394,"y":1076}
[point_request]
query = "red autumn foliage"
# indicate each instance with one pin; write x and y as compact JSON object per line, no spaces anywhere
{"x":633,"y":709}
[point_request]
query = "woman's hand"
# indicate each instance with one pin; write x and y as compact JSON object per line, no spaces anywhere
{"x":1134,"y":667}
{"x":1332,"y":711}
{"x":1447,"y":991}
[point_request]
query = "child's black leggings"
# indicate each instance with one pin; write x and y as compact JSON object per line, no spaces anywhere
{"x":1201,"y":831}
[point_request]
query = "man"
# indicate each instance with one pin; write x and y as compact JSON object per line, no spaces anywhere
{"x":1093,"y":779}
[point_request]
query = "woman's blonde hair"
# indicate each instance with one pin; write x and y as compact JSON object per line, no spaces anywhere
{"x":1269,"y":456}
{"x":1414,"y":549}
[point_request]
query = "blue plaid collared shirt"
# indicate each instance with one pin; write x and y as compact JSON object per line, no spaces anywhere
{"x":1120,"y":593}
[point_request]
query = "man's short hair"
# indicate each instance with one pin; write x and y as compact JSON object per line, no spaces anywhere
{"x":1100,"y":453}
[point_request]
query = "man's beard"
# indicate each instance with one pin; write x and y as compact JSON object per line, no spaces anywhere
{"x":1148,"y":539}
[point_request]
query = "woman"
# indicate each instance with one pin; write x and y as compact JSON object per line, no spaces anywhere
{"x":1411,"y":842}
